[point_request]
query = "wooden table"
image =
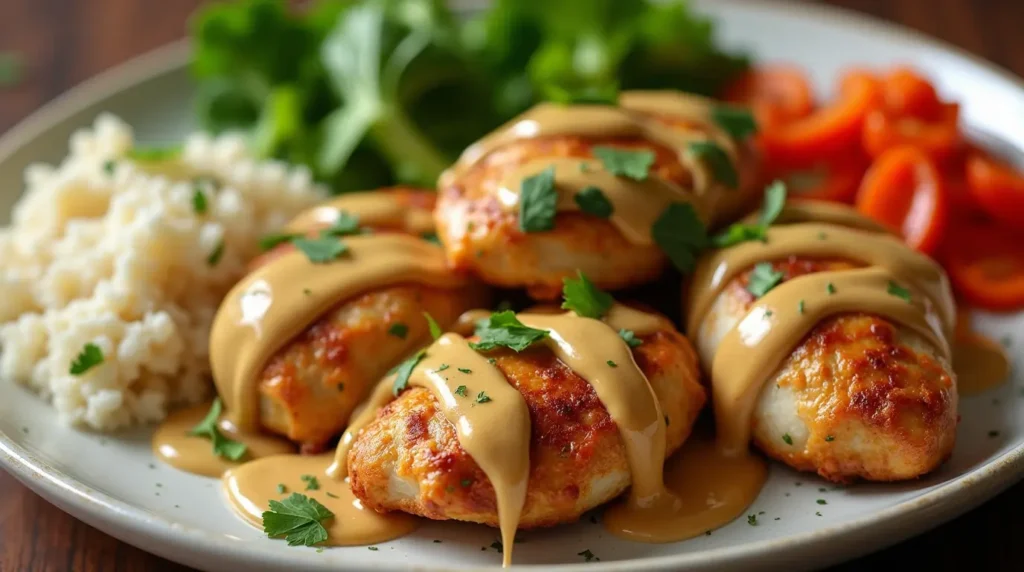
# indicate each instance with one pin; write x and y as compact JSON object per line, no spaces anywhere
{"x":67,"y":41}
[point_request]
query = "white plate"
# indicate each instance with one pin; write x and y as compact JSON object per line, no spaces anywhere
{"x":114,"y":484}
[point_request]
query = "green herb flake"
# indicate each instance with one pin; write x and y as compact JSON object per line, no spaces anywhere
{"x":109,"y":166}
{"x":738,"y":122}
{"x":442,"y":367}
{"x":466,"y":482}
{"x":199,"y":205}
{"x":431,"y":237}
{"x":583,"y":297}
{"x":538,"y":202}
{"x":588,"y":556}
{"x":312,"y":484}
{"x":503,"y":329}
{"x":787,"y":438}
{"x":752,"y":519}
{"x":612,"y":364}
{"x":482,"y":397}
{"x":435,"y":328}
{"x":90,"y":357}
{"x":821,"y":501}
{"x":461,"y":391}
{"x":630,"y":338}
{"x":464,"y":370}
{"x":817,"y":513}
{"x":993,"y":433}
{"x":830,"y":288}
{"x":222,"y":446}
{"x":320,"y":250}
{"x":271,"y":241}
{"x":717,"y":160}
{"x":801,"y":306}
{"x":404,"y":370}
{"x":763,"y":279}
{"x":399,"y":330}
{"x":218,"y":252}
{"x":830,"y":438}
{"x":281,"y":489}
{"x":633,"y":164}
{"x":346,"y":224}
{"x":331,"y":495}
{"x":771,"y":208}
{"x":592,"y":200}
{"x":373,"y":548}
{"x":895,"y":289}
{"x":681,"y":235}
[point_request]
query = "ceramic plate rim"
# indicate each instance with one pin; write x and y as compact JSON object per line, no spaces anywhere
{"x":961,"y":494}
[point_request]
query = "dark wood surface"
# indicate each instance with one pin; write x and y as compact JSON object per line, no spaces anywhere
{"x":64,"y":42}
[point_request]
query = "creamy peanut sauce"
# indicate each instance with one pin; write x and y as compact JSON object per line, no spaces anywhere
{"x":751,"y":351}
{"x":641,"y":115}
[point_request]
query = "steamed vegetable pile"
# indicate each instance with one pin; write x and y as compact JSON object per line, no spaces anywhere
{"x":378,"y":92}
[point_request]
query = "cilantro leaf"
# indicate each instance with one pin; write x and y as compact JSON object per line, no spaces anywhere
{"x":773,"y":203}
{"x":771,"y":208}
{"x":218,"y":252}
{"x":898,"y":291}
{"x":503,"y":329}
{"x":630,"y":338}
{"x":431,"y":237}
{"x":435,"y":328}
{"x":405,"y":370}
{"x":90,"y":357}
{"x":681,"y":234}
{"x":584,"y":298}
{"x":298,"y":518}
{"x":222,"y":446}
{"x":270,"y":241}
{"x":634,"y":164}
{"x":344,"y":225}
{"x":763,"y":279}
{"x":482,"y":397}
{"x":592,"y":200}
{"x":738,"y":122}
{"x":199,"y":205}
{"x":716,"y":159}
{"x":460,"y":391}
{"x":320,"y":250}
{"x":399,"y":330}
{"x":538,"y":202}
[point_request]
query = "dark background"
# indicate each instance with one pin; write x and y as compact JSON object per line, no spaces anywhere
{"x":64,"y":42}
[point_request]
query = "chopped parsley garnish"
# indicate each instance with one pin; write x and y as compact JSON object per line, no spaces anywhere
{"x":399,"y":330}
{"x":435,"y":329}
{"x":584,"y":298}
{"x":630,"y":338}
{"x":716,"y":159}
{"x":466,"y":482}
{"x":830,"y":288}
{"x":898,"y":291}
{"x":312,"y":484}
{"x":405,"y":370}
{"x":503,"y":329}
{"x":307,"y":291}
{"x":588,"y":556}
{"x":482,"y":397}
{"x":592,"y":200}
{"x":497,"y":546}
{"x":763,"y":279}
{"x":154,"y":154}
{"x":538,"y":202}
{"x":821,"y":501}
{"x":199,"y":201}
{"x":320,"y":250}
{"x":830,"y":438}
{"x":752,"y":519}
{"x":612,"y":364}
{"x":626,"y":162}
{"x":216,"y":255}
{"x":817,"y":513}
{"x":90,"y":357}
{"x":442,"y":367}
{"x":431,"y":237}
{"x":269,"y":241}
{"x":787,"y":438}
{"x":460,"y":391}
{"x":281,"y":488}
{"x":736,"y":121}
{"x":109,"y":165}
{"x":466,"y":371}
{"x":801,"y":306}
{"x":681,"y":235}
{"x":298,"y":518}
{"x":222,"y":446}
{"x":332,"y":495}
{"x":344,"y":225}
{"x":771,"y":207}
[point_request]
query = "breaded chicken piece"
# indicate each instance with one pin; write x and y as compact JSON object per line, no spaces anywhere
{"x":479,"y":234}
{"x":410,"y":459}
{"x":859,"y":398}
{"x":309,"y":388}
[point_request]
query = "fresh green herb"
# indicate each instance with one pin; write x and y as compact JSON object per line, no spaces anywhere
{"x":466,"y":371}
{"x":830,"y":438}
{"x":771,"y":208}
{"x":738,"y":122}
{"x":503,"y":329}
{"x":898,"y":291}
{"x":435,"y":329}
{"x":538,"y":202}
{"x":830,"y":288}
{"x":345,"y":225}
{"x":218,"y":252}
{"x":154,"y":154}
{"x":222,"y":446}
{"x":312,"y":484}
{"x":492,"y":361}
{"x":404,"y":370}
{"x":431,"y":237}
{"x":821,"y":501}
{"x":763,"y":279}
{"x":466,"y":482}
{"x":583,"y":297}
{"x":460,"y":391}
{"x":199,"y":205}
{"x":436,"y":541}
{"x":629,"y":163}
{"x":307,"y":291}
{"x":90,"y":357}
{"x":320,"y":250}
{"x":496,"y":545}
{"x":281,"y":489}
{"x":681,"y":234}
{"x":787,"y":438}
{"x":108,"y":167}
{"x":630,"y":338}
{"x":817,"y":513}
{"x":592,"y":200}
{"x":752,"y":519}
{"x":373,"y":548}
{"x":10,"y":69}
{"x":442,"y":367}
{"x":588,"y":556}
{"x":298,"y":518}
{"x":716,"y":159}
{"x":482,"y":397}
{"x":612,"y":364}
{"x":801,"y":306}
{"x":768,"y":313}
{"x":399,"y":330}
{"x":270,"y":241}
{"x":332,"y":495}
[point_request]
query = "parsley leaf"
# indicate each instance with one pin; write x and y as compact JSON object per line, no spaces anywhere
{"x":298,"y":518}
{"x":630,"y":338}
{"x":736,"y":121}
{"x":709,"y":153}
{"x":199,"y":201}
{"x":460,"y":390}
{"x":90,"y":357}
{"x":344,"y":225}
{"x":399,"y":330}
{"x":634,"y":164}
{"x":681,"y":234}
{"x":320,"y":250}
{"x":591,"y":200}
{"x":538,"y":202}
{"x":465,"y":370}
{"x":312,"y":484}
{"x":588,"y":555}
{"x":582,"y":297}
{"x":405,"y":370}
{"x":218,"y":252}
{"x":222,"y":446}
{"x":270,"y":241}
{"x":771,"y":208}
{"x":763,"y":279}
{"x":898,"y":291}
{"x":431,"y":237}
{"x":503,"y":329}
{"x":787,"y":438}
{"x":482,"y":397}
{"x":435,"y":329}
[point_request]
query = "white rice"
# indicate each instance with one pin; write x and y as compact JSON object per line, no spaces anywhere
{"x":119,"y":258}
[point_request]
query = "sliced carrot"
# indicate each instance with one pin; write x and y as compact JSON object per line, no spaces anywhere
{"x":985,"y":264}
{"x":939,"y":137}
{"x":997,"y":187}
{"x":827,"y":131}
{"x":907,"y":93}
{"x":903,"y":189}
{"x":776,"y":93}
{"x":835,"y":180}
